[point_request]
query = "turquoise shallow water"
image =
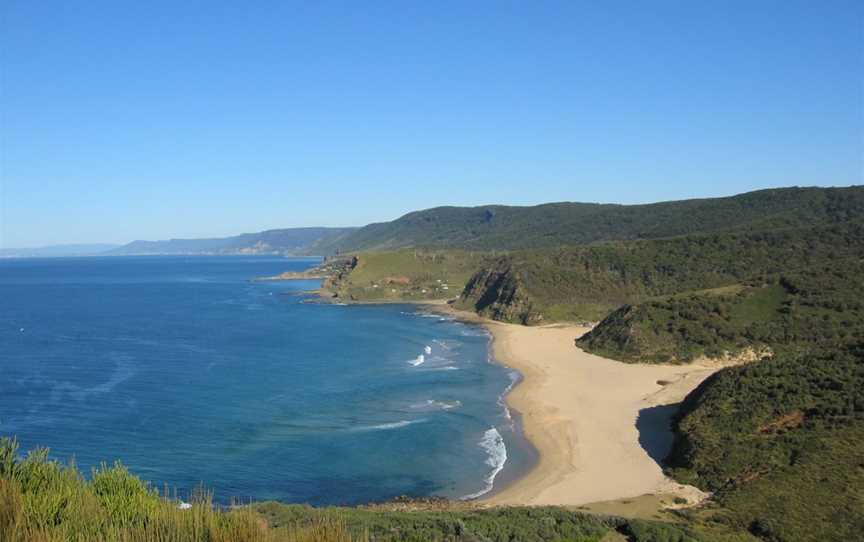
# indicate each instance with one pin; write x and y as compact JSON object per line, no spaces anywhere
{"x":189,"y":373}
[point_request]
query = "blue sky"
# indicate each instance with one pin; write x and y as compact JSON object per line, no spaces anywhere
{"x":128,"y":120}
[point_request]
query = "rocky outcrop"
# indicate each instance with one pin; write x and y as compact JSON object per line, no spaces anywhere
{"x":337,"y":270}
{"x":498,"y":292}
{"x":331,"y":269}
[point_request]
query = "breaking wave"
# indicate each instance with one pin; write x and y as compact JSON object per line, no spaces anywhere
{"x":431,"y":404}
{"x":387,"y":426}
{"x":493,"y":443}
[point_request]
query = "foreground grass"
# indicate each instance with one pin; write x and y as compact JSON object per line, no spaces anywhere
{"x":45,"y":501}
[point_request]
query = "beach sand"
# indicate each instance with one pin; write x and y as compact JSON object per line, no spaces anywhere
{"x":600,"y":426}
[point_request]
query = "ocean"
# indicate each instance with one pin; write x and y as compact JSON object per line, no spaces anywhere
{"x":189,"y":374}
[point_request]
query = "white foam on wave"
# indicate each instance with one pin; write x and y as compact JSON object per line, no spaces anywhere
{"x":386,"y":426}
{"x":419,"y":360}
{"x":427,"y":350}
{"x":445,"y":345}
{"x":432,"y":404}
{"x":472,"y":332}
{"x":493,"y":443}
{"x":502,"y":399}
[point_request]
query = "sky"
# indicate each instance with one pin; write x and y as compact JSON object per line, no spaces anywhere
{"x":126,"y":120}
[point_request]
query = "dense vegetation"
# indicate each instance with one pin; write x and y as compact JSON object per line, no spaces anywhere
{"x":587,"y":282}
{"x":498,"y":227}
{"x":477,"y":525}
{"x":779,"y":441}
{"x":816,"y":307}
{"x":44,"y":501}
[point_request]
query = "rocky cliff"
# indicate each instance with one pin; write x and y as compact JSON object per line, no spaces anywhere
{"x":498,"y":292}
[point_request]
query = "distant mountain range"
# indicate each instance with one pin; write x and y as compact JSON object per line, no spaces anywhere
{"x":500,"y":227}
{"x":289,"y":242}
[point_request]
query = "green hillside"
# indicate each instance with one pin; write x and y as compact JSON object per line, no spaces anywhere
{"x":406,"y":275}
{"x":498,"y":227}
{"x":779,"y":442}
{"x":588,"y":282}
{"x":816,"y":307}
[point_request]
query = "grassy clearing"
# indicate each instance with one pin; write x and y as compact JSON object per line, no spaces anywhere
{"x":762,"y":305}
{"x":408,"y":275}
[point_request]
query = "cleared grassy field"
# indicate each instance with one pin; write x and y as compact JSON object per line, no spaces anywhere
{"x":409,"y":275}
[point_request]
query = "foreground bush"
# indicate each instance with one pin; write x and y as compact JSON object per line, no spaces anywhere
{"x":779,"y":442}
{"x":42,"y":500}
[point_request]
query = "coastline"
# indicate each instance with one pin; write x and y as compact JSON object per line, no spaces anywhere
{"x":600,"y":426}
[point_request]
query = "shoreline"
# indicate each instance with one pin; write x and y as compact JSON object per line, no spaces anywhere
{"x":600,"y":427}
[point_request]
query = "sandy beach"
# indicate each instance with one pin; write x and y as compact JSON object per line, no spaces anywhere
{"x":599,"y":425}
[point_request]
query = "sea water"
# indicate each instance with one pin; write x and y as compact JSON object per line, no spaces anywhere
{"x":190,"y":373}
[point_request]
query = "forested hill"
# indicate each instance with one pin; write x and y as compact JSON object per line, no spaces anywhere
{"x":498,"y":227}
{"x":289,"y":241}
{"x":588,"y":282}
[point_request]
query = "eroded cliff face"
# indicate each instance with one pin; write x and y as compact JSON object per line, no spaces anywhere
{"x":336,"y":270}
{"x":498,"y":292}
